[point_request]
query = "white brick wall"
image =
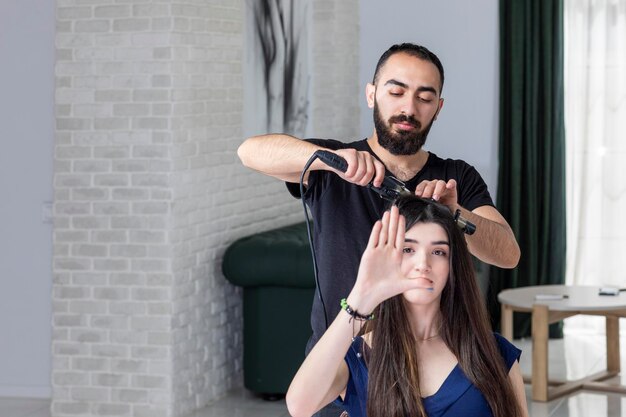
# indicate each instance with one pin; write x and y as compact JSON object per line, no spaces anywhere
{"x":149,"y":193}
{"x":337,"y":93}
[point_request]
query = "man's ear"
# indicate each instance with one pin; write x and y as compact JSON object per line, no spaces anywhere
{"x":439,"y":108}
{"x":370,"y":95}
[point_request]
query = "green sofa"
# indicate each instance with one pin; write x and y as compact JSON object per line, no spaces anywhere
{"x":276,"y":272}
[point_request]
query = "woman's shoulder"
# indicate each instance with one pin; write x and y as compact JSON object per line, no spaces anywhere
{"x":509,"y":351}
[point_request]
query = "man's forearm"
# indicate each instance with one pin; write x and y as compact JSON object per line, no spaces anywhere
{"x":280,"y":156}
{"x":494,"y":241}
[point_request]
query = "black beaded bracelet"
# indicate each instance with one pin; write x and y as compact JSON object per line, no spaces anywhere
{"x":355,"y":314}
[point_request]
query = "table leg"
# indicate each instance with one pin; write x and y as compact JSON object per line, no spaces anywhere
{"x":612,"y":344}
{"x":540,"y":352}
{"x":506,"y":322}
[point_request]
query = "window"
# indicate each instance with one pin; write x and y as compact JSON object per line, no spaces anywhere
{"x":595,"y":123}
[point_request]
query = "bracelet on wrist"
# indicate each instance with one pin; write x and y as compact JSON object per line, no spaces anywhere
{"x":353,"y":313}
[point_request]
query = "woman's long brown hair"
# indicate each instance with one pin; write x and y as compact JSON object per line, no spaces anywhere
{"x":394,"y":385}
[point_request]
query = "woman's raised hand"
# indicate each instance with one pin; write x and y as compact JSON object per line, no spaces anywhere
{"x":380,"y":274}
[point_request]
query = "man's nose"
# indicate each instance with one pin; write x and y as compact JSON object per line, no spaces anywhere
{"x":408,"y":106}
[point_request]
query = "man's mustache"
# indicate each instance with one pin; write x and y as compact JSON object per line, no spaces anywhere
{"x":403,"y":118}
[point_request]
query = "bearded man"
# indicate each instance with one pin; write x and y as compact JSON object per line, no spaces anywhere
{"x":405,"y":95}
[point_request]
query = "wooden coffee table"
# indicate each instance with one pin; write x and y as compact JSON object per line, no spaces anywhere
{"x":580,"y":300}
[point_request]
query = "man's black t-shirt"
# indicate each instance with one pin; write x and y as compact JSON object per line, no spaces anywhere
{"x":343,"y":216}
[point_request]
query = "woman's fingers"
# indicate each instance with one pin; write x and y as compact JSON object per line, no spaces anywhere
{"x":405,"y":284}
{"x":399,"y":238}
{"x":395,"y":234}
{"x":384,"y":231}
{"x":388,"y":230}
{"x":374,"y":236}
{"x":393,"y":225}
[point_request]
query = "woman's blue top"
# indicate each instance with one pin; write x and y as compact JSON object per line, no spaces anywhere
{"x":457,"y":396}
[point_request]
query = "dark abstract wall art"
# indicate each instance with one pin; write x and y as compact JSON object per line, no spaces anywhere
{"x":276,"y":73}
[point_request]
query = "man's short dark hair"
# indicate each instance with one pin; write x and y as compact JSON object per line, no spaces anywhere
{"x":417,"y":51}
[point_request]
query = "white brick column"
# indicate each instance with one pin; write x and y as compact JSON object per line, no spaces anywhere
{"x":149,"y":193}
{"x":112,"y":294}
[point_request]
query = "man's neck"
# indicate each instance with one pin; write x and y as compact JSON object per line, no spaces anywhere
{"x":403,"y":167}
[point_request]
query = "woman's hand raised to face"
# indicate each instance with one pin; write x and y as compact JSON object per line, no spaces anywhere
{"x":380,"y":276}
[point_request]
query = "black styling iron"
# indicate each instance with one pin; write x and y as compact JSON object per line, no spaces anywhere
{"x":390,"y":189}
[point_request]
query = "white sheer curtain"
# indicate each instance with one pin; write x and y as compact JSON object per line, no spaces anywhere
{"x":595,"y":121}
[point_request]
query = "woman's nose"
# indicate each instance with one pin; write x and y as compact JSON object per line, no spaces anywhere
{"x":422,"y":262}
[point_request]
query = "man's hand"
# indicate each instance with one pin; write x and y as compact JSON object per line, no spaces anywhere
{"x":363,"y":167}
{"x":439,"y":190}
{"x":494,"y":241}
{"x":284,"y":157}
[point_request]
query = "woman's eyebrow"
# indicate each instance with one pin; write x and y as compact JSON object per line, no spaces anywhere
{"x":436,"y":242}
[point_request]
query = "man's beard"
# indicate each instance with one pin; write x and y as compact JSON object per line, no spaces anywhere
{"x":401,"y":142}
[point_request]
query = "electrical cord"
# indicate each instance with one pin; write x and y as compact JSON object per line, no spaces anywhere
{"x":310,"y":235}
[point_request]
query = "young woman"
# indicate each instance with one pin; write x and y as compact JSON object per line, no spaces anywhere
{"x":426,"y":348}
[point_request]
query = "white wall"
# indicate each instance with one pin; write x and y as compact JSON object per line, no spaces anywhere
{"x":464,"y":35}
{"x":26,"y":135}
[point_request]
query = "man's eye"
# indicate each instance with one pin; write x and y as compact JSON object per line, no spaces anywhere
{"x":395,"y":93}
{"x":425,"y":99}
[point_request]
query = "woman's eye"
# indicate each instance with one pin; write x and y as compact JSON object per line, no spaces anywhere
{"x":439,"y":252}
{"x":407,"y":250}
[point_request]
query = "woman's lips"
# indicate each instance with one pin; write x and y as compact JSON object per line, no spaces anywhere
{"x":426,"y":282}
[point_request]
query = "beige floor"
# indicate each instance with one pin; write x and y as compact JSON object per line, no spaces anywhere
{"x":572,"y":357}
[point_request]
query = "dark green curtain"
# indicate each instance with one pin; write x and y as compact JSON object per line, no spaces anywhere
{"x":531,"y":177}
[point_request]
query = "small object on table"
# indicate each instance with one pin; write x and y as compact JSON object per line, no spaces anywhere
{"x":550,"y":297}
